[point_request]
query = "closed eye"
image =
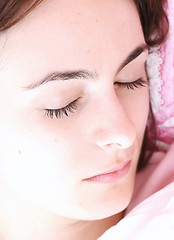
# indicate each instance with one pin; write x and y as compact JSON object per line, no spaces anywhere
{"x":61,"y":112}
{"x":132,"y":85}
{"x":70,"y":108}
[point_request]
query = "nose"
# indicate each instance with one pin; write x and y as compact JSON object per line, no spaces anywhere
{"x":112,"y":126}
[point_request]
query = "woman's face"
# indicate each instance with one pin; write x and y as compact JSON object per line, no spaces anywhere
{"x":73,"y":53}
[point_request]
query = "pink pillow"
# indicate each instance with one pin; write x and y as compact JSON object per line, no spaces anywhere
{"x":160,"y":67}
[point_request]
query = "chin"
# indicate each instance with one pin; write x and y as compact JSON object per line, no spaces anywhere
{"x":112,"y":203}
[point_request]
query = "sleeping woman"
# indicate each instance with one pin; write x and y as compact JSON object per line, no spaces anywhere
{"x":74,"y":109}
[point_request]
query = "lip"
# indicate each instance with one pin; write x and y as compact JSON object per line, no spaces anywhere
{"x":112,"y":175}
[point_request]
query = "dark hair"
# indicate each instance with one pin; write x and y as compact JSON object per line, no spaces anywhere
{"x":12,"y":11}
{"x":154,"y":20}
{"x":154,"y":23}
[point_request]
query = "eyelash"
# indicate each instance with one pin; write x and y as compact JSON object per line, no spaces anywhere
{"x":59,"y":113}
{"x":132,"y":85}
{"x":70,"y":108}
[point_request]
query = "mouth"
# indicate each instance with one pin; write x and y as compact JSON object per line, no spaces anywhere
{"x":112,"y":175}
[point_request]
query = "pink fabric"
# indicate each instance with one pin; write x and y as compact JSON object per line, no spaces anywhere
{"x":160,"y":66}
{"x":157,"y":174}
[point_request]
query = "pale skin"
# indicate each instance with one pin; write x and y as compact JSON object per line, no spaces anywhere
{"x":44,"y":160}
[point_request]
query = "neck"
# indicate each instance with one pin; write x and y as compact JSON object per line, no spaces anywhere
{"x":20,"y":220}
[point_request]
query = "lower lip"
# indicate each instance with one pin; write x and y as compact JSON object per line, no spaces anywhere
{"x":110,"y":177}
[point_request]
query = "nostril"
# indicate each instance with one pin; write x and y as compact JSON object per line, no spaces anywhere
{"x":113,"y":141}
{"x":112,"y":145}
{"x":114,"y":131}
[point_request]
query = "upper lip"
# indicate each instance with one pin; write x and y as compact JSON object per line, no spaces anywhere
{"x":111,"y":170}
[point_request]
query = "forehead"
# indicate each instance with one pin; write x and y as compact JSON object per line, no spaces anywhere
{"x":77,"y":29}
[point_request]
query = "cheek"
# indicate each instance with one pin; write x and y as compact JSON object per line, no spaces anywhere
{"x":143,"y":106}
{"x":37,"y":165}
{"x":33,"y":145}
{"x":137,"y":108}
{"x":32,"y":155}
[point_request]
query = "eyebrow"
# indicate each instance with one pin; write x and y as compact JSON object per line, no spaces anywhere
{"x":84,"y":74}
{"x":133,"y":55}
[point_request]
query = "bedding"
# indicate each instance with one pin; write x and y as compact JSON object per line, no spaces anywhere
{"x":160,"y":69}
